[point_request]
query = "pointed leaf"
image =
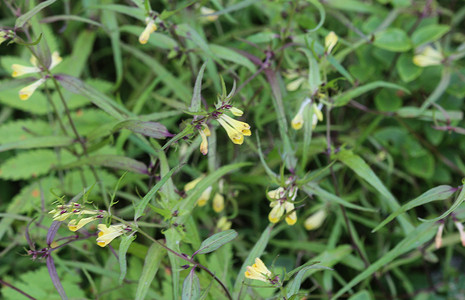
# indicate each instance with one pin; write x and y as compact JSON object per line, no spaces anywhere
{"x":196,"y":96}
{"x":215,"y":241}
{"x":191,"y":286}
{"x":155,"y":254}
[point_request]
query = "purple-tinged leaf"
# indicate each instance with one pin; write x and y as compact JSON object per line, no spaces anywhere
{"x":112,"y":161}
{"x":152,"y":129}
{"x":54,"y":276}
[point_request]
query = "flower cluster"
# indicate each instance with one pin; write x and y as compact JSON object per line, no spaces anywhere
{"x":19,"y":70}
{"x":298,"y":121}
{"x":107,"y":234}
{"x":259,"y":271}
{"x":283,"y":200}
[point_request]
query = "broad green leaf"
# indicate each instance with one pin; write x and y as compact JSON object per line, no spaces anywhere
{"x":22,"y":129}
{"x":362,"y":295}
{"x":441,"y":192}
{"x":33,"y":163}
{"x":421,"y":166}
{"x":126,"y":241}
{"x":140,"y":207}
{"x":38,"y":142}
{"x":36,"y":104}
{"x":414,"y":239}
{"x":155,"y":255}
{"x":196,"y":95}
{"x":191,"y":286}
{"x":256,"y":251}
{"x":345,"y":97}
{"x":37,"y":8}
{"x":429,"y":34}
{"x":392,"y":39}
{"x":361,"y":168}
{"x":216,"y":241}
{"x":407,"y":70}
{"x":439,"y":90}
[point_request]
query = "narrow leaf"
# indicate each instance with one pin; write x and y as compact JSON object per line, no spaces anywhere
{"x":196,"y":96}
{"x":216,"y":241}
{"x":344,"y":98}
{"x":54,"y":276}
{"x":123,"y":249}
{"x":152,"y":129}
{"x":37,"y":8}
{"x":191,"y":286}
{"x":111,"y":161}
{"x":38,"y":142}
{"x":155,"y":254}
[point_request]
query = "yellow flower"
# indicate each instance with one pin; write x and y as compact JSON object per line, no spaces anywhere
{"x":235,"y":129}
{"x":204,"y":143}
{"x":277,"y":193}
{"x":461,"y":231}
{"x":27,"y":91}
{"x":314,"y":221}
{"x":295,"y":84}
{"x":428,"y":57}
{"x":258,"y":271}
{"x":73,"y":225}
{"x":62,"y":212}
{"x":317,"y":114}
{"x":279,"y":206}
{"x":236,"y":111}
{"x":298,"y":121}
{"x":108,"y":234}
{"x":223,"y":224}
{"x":330,"y":41}
{"x":438,"y":238}
{"x":218,"y":202}
{"x":205,"y":196}
{"x":145,"y":35}
{"x":207,"y":11}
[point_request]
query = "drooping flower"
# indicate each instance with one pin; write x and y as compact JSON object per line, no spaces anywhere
{"x":208,"y":11}
{"x":258,"y":271}
{"x":236,"y":111}
{"x":108,"y":234}
{"x":75,"y":225}
{"x":438,"y":238}
{"x":149,"y":29}
{"x":330,"y":41}
{"x":204,"y":133}
{"x":461,"y":231}
{"x":235,"y":129}
{"x":19,"y":70}
{"x":205,"y":196}
{"x":223,"y":224}
{"x":218,"y":202}
{"x":317,"y":114}
{"x":428,"y":57}
{"x":298,"y":121}
{"x":314,"y":221}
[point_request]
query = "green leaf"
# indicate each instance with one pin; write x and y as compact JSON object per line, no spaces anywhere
{"x":22,"y":130}
{"x":37,"y":8}
{"x":38,"y":142}
{"x":111,"y":161}
{"x":441,"y":192}
{"x":421,"y":166}
{"x":140,"y":207}
{"x":345,"y":97}
{"x":216,"y":241}
{"x":356,"y":6}
{"x":196,"y":95}
{"x":151,"y":129}
{"x":407,"y":70}
{"x":191,"y":286}
{"x":458,"y":201}
{"x":232,"y":56}
{"x":294,"y":286}
{"x":322,"y":13}
{"x":414,"y":239}
{"x":126,"y":241}
{"x":122,"y":9}
{"x":111,"y":25}
{"x":392,"y":39}
{"x":32,"y":163}
{"x":429,"y":34}
{"x":361,"y":168}
{"x":256,"y":251}
{"x":155,"y":255}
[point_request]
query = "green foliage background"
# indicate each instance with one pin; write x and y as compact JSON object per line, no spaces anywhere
{"x":386,"y":163}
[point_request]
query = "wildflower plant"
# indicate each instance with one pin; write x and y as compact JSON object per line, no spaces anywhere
{"x":232,"y":149}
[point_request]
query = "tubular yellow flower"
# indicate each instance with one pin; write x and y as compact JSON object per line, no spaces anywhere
{"x":190,"y":185}
{"x":317,"y":114}
{"x":461,"y":231}
{"x":242,"y":127}
{"x":203,"y":199}
{"x":428,"y":57}
{"x":56,"y":59}
{"x":258,"y":271}
{"x":298,"y":121}
{"x":295,"y":84}
{"x":314,"y":221}
{"x":236,"y":136}
{"x":207,"y":11}
{"x":145,"y":35}
{"x":330,"y":41}
{"x":438,"y":238}
{"x":291,"y":219}
{"x":108,"y":234}
{"x":27,"y":91}
{"x":204,"y":143}
{"x":19,"y":70}
{"x":218,"y":202}
{"x":223,"y":224}
{"x":73,"y":225}
{"x":236,"y":111}
{"x":277,"y":212}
